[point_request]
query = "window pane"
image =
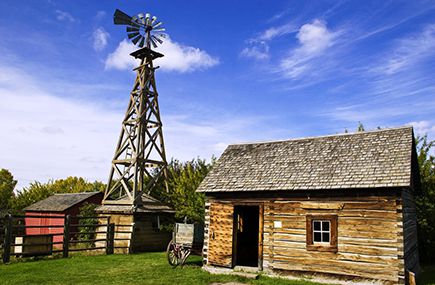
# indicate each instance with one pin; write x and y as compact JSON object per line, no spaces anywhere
{"x":325,"y":226}
{"x":317,"y":237}
{"x":325,"y":237}
{"x":316,"y":225}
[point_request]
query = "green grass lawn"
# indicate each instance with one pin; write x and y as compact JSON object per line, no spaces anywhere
{"x":145,"y":268}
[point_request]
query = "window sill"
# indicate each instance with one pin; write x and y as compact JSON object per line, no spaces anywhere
{"x":327,"y":248}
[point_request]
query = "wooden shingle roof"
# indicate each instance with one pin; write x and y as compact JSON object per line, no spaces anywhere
{"x":148,"y":205}
{"x":60,"y":202}
{"x":372,"y":159}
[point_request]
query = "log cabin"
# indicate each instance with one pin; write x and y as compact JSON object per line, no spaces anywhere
{"x":338,"y":207}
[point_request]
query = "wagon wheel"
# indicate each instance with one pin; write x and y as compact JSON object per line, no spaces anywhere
{"x":185,"y":252}
{"x":171,"y":254}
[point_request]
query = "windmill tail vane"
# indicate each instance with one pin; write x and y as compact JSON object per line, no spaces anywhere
{"x":142,"y":30}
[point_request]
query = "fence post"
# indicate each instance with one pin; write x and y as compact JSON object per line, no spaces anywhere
{"x":66,"y":227}
{"x":110,"y":238}
{"x":7,"y":239}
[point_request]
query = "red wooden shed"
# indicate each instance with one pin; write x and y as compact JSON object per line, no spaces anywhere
{"x":57,"y":205}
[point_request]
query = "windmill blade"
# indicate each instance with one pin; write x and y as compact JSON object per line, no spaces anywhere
{"x":161,"y":35}
{"x":134,"y":24}
{"x":157,"y":25}
{"x":132,"y":29}
{"x":141,"y":19}
{"x":159,"y":30}
{"x":135,"y":40}
{"x":132,"y":35}
{"x":157,"y":39}
{"x":120,"y":18}
{"x":147,"y":18}
{"x":154,"y":18}
{"x":135,"y":21}
{"x":153,"y":42}
{"x":141,"y":43}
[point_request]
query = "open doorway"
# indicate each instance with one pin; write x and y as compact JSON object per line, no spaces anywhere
{"x":245,"y":238}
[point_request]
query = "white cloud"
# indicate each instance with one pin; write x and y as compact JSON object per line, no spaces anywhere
{"x":314,"y":39}
{"x":408,"y":52}
{"x":100,"y":38}
{"x":184,"y":58}
{"x":258,"y":47}
{"x":187,"y":137}
{"x":274,"y":32}
{"x":423,"y":127}
{"x":177,"y":57}
{"x":370,"y":113}
{"x":100,"y":15}
{"x":64,"y":16}
{"x":258,"y":51}
{"x":46,"y":136}
{"x":120,"y":58}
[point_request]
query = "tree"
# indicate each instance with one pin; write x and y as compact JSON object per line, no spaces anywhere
{"x":360,"y":127}
{"x":37,"y":191}
{"x":425,"y":200}
{"x":184,"y":178}
{"x":88,"y":225}
{"x":7,"y":185}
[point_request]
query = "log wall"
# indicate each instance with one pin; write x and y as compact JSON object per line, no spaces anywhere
{"x":368,"y":246}
{"x":411,"y":256}
{"x":123,"y":229}
{"x":371,"y":241}
{"x":206,"y":233}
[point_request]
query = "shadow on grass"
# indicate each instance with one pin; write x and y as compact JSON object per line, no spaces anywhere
{"x":195,"y":263}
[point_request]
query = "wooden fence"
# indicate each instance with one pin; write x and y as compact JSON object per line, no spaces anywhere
{"x":75,"y":235}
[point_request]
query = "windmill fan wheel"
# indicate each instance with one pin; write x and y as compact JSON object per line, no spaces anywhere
{"x":142,"y":30}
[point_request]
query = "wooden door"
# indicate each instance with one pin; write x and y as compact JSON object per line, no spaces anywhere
{"x":221,"y":234}
{"x":260,"y":236}
{"x":246,"y":235}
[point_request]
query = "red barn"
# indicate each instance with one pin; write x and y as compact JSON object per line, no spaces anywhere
{"x":57,"y":205}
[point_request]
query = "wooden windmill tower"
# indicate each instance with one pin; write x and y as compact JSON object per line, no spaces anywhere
{"x":140,"y":159}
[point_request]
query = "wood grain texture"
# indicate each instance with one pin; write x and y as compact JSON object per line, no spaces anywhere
{"x":368,"y":239}
{"x":411,"y":257}
{"x":376,"y":237}
{"x":220,"y":236}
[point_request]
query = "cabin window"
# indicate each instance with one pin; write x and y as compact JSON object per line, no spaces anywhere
{"x":156,"y":223}
{"x":322,"y":232}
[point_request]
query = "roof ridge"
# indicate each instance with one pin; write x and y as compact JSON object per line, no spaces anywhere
{"x":323,"y":136}
{"x":76,"y":193}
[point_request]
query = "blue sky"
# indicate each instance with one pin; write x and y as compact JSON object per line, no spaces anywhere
{"x":233,"y":71}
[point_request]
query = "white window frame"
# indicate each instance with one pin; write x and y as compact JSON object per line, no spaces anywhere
{"x":321,"y":231}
